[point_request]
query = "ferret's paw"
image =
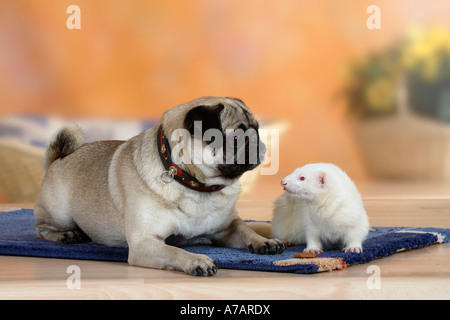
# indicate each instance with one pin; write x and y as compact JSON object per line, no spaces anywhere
{"x":313,"y":250}
{"x":353,"y":249}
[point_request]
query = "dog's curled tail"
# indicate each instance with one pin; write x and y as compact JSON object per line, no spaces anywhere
{"x":68,"y":139}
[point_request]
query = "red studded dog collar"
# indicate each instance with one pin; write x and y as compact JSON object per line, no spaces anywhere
{"x":172,"y":172}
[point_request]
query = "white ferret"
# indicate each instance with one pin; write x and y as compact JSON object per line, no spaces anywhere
{"x":321,"y":208}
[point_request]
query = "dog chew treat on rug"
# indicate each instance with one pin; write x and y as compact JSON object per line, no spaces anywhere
{"x":305,"y":255}
{"x":324,"y":264}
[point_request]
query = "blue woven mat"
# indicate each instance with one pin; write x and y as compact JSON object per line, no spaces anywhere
{"x":17,"y":237}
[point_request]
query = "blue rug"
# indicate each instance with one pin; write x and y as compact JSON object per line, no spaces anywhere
{"x":17,"y":237}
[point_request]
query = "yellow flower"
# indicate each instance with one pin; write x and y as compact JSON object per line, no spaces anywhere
{"x":380,"y":95}
{"x":424,"y":48}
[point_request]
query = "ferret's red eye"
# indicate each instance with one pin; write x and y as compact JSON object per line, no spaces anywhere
{"x":302,"y":178}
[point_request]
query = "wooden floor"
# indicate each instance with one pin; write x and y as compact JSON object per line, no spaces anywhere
{"x":416,"y":274}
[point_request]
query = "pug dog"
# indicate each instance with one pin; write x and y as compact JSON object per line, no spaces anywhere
{"x":159,"y":190}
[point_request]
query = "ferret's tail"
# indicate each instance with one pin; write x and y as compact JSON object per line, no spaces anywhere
{"x":68,"y":139}
{"x":262,"y":228}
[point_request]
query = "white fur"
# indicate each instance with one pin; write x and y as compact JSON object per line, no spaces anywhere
{"x":324,"y":207}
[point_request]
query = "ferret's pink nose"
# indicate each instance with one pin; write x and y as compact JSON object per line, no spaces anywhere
{"x":283,"y":184}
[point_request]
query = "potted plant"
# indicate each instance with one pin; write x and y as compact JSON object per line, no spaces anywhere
{"x":401,"y":99}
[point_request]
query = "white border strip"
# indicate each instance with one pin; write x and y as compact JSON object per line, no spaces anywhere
{"x":440,"y":236}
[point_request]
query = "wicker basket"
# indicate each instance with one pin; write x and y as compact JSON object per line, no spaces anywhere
{"x":405,"y":146}
{"x":21,"y":171}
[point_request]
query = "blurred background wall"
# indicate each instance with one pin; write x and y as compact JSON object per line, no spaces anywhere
{"x":314,"y":66}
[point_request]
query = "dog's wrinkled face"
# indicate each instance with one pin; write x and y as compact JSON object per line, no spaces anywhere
{"x":223,"y":139}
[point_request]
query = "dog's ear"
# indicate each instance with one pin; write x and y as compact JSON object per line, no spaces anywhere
{"x":208,"y":115}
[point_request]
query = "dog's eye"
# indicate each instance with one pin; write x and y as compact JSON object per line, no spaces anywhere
{"x":302,"y":178}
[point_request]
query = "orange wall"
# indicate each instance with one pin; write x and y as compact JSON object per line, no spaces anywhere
{"x":138,"y":58}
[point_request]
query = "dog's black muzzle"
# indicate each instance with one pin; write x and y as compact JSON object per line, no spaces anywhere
{"x":244,"y":151}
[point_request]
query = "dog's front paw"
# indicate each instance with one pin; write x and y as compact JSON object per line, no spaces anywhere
{"x":201,"y":265}
{"x":267,"y":246}
{"x":70,"y":237}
